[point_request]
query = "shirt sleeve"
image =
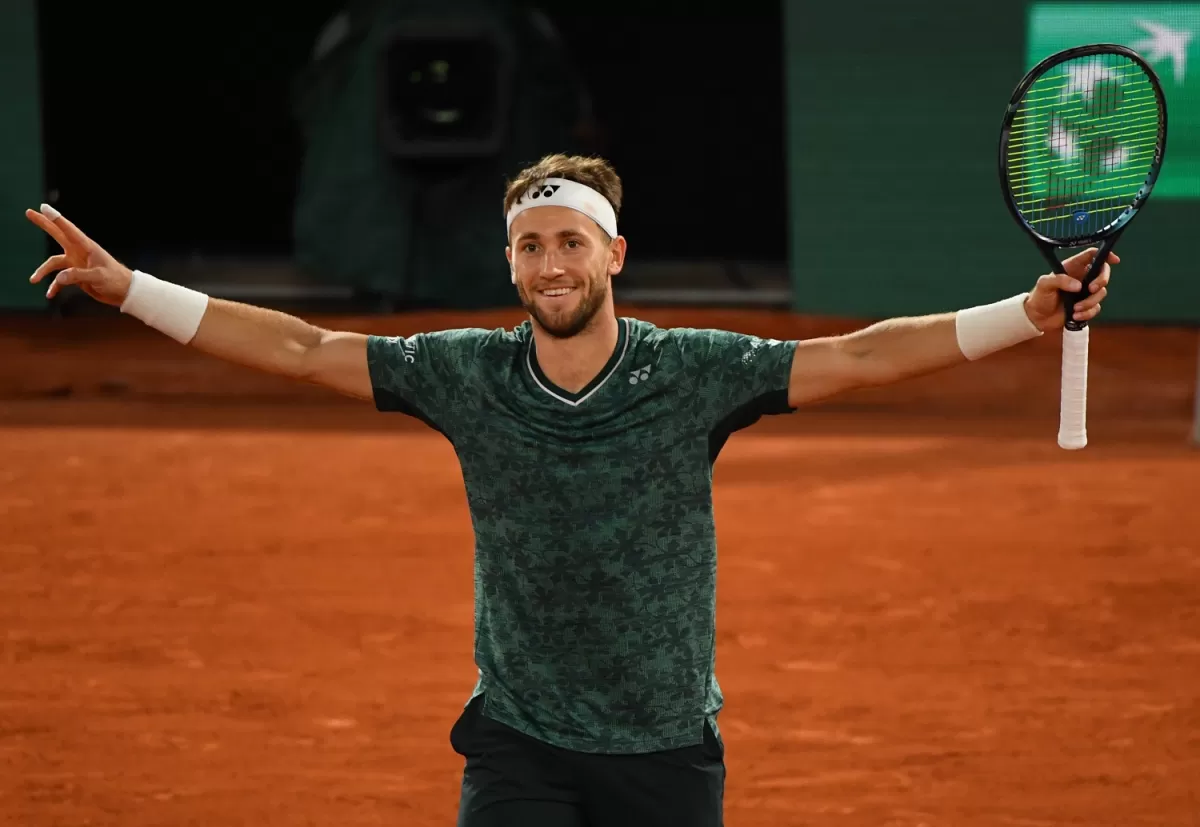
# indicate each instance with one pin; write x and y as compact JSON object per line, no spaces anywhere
{"x":424,"y":375}
{"x":738,"y":378}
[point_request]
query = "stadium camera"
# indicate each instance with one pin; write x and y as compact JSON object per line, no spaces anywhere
{"x":445,"y":90}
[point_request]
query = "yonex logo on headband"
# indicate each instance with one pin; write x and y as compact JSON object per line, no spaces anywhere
{"x":561,"y":192}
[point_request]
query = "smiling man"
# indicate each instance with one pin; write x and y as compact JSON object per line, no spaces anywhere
{"x":587,"y":442}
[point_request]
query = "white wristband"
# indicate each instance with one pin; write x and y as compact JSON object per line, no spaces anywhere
{"x":168,"y":308}
{"x":991,"y":327}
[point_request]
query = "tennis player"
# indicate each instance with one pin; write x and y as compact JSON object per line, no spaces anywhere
{"x":587,"y":442}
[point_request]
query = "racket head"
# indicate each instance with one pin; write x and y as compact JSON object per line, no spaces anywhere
{"x":1082,"y":142}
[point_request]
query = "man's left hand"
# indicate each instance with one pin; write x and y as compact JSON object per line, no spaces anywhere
{"x":1044,"y":304}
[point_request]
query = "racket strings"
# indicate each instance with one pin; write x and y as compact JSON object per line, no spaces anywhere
{"x":1084,"y":140}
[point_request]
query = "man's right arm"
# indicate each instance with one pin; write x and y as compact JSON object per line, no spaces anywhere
{"x":266,"y":340}
{"x":284,"y":345}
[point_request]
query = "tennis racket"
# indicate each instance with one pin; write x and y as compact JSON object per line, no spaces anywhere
{"x":1081,"y":146}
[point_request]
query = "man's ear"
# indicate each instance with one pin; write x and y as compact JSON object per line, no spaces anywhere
{"x":512,"y":270}
{"x":616,"y":255}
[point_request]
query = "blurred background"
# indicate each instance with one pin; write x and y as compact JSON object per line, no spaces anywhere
{"x":774,"y":154}
{"x":279,"y":154}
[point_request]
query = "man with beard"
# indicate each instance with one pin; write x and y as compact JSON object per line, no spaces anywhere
{"x":586,"y":443}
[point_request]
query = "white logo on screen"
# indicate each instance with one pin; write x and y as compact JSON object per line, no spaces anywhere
{"x":1164,"y":42}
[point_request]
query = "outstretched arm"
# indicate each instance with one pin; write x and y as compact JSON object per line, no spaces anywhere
{"x":906,"y":347}
{"x":283,"y":345}
{"x":255,"y":337}
{"x":277,"y":343}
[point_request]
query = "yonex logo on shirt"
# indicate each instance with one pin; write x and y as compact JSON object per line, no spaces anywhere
{"x":639,"y":375}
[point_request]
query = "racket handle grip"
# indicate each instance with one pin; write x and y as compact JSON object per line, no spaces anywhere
{"x":1072,"y":422}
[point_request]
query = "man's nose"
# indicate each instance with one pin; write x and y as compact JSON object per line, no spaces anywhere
{"x":550,"y":265}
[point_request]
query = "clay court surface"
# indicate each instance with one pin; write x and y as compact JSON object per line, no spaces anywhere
{"x":230,"y":600}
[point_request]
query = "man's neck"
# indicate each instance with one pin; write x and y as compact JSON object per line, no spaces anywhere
{"x":572,"y":363}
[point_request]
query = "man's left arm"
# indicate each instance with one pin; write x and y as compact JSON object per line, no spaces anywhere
{"x":900,"y":348}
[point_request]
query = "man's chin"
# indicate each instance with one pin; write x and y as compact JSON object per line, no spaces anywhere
{"x":562,"y":325}
{"x":564,"y":322}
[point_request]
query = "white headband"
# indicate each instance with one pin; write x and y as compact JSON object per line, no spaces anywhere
{"x":559,"y":192}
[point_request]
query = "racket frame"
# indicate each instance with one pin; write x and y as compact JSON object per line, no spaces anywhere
{"x":1072,"y":431}
{"x":1106,"y":236}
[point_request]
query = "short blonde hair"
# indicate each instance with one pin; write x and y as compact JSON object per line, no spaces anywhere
{"x":591,"y":172}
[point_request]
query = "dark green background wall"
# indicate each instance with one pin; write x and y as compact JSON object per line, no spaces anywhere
{"x":895,"y":206}
{"x":20,"y":153}
{"x":204,"y":163}
{"x":892,"y":114}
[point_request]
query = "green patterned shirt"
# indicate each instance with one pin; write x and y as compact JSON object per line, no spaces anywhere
{"x":595,"y":548}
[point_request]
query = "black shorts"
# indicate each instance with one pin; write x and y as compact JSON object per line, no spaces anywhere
{"x":512,"y":780}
